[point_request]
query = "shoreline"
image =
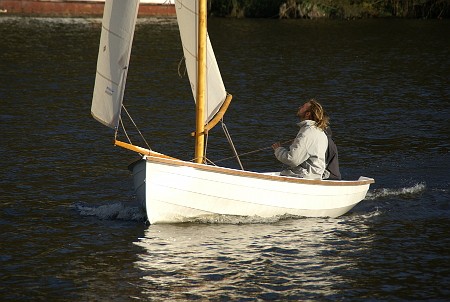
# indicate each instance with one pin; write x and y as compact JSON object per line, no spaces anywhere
{"x":166,"y":9}
{"x":79,"y":8}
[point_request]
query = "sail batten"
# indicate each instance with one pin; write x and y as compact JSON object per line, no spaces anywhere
{"x":118,"y":24}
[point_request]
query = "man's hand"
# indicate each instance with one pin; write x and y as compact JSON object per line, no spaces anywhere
{"x":276,"y":145}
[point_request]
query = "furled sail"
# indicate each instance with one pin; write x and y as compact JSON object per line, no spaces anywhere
{"x":187,"y":14}
{"x":119,"y":19}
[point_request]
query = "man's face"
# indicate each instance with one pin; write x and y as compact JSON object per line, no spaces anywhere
{"x":303,"y":112}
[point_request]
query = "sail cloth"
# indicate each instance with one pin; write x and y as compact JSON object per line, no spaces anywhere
{"x":187,"y":17}
{"x":119,"y":20}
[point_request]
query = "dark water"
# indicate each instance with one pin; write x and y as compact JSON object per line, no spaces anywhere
{"x":70,"y":227}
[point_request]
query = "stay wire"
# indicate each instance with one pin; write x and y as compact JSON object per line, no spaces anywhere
{"x":230,"y":141}
{"x":181,"y":74}
{"x":205,"y":148}
{"x":124,"y":130}
{"x":134,"y":124}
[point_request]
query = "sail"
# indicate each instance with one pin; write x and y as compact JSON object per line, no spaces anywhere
{"x":119,"y":19}
{"x":187,"y":14}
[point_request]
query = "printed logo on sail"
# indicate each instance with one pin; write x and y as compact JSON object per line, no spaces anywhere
{"x":109,"y":90}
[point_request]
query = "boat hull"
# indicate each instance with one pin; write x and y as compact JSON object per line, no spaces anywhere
{"x":177,"y":191}
{"x":138,"y":170}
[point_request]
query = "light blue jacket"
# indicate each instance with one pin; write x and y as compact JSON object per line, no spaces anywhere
{"x":306,"y":155}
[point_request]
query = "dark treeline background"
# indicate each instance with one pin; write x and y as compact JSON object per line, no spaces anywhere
{"x":342,"y":9}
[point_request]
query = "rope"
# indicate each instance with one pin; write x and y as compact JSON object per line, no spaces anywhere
{"x":228,"y":136}
{"x":124,"y":131}
{"x":205,"y":148}
{"x":251,"y":152}
{"x":139,"y":131}
{"x":179,"y":67}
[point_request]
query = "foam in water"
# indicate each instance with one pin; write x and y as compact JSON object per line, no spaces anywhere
{"x":385,"y":192}
{"x":120,"y":211}
{"x":234,"y":219}
{"x":114,"y":211}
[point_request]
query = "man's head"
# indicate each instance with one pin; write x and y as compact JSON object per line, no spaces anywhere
{"x":303,"y":111}
{"x":312,"y":110}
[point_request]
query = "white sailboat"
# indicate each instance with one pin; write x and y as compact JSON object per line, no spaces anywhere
{"x":174,"y":190}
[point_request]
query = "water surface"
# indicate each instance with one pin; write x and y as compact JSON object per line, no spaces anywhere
{"x":71,"y":229}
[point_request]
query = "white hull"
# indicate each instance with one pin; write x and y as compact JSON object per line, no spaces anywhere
{"x":176,"y":191}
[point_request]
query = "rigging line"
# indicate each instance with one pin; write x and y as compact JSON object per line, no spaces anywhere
{"x":228,"y":136}
{"x":206,"y":146}
{"x":207,"y":161}
{"x":123,"y":126}
{"x":124,"y":131}
{"x":251,"y":152}
{"x":183,"y":59}
{"x":139,"y":131}
{"x":210,"y":161}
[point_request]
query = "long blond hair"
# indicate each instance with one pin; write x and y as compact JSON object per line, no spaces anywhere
{"x":318,"y":114}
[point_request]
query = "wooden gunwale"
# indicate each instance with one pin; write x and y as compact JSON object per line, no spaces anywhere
{"x":228,"y":171}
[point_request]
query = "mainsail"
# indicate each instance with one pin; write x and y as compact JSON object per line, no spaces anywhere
{"x":119,"y":19}
{"x":187,"y":14}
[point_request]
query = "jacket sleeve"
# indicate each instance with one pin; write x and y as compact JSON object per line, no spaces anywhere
{"x":297,"y":153}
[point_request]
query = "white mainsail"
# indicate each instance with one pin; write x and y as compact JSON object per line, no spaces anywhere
{"x":118,"y":24}
{"x":187,"y":15}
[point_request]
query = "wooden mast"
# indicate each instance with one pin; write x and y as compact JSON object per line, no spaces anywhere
{"x":201,"y":85}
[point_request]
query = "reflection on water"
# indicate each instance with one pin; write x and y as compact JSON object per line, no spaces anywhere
{"x":292,"y":259}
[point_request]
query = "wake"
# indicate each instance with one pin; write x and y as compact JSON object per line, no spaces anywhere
{"x":402,"y":192}
{"x":114,"y":211}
